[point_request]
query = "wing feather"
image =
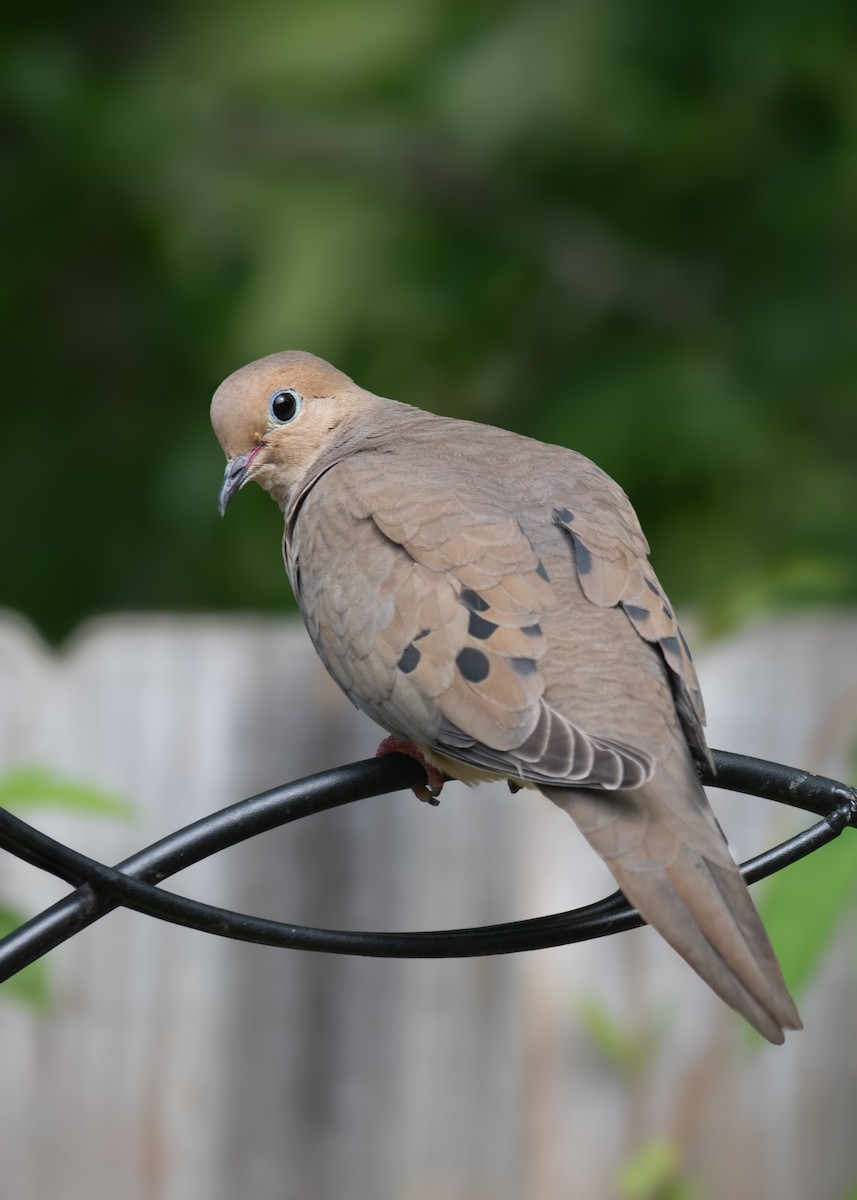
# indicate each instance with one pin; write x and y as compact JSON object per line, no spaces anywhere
{"x":448,"y":649}
{"x":610,"y":554}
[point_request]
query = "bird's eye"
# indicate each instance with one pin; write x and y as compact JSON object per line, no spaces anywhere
{"x":284,"y":406}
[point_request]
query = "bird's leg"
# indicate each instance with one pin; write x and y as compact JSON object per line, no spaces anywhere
{"x":435,"y":780}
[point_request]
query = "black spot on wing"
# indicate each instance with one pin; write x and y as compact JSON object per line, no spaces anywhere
{"x":422,"y":633}
{"x":670,"y":645}
{"x":532,"y":630}
{"x":565,"y":515}
{"x":636,"y":612}
{"x":667,"y":611}
{"x":409,"y":660}
{"x":524,"y":666}
{"x":541,"y":571}
{"x":473,"y":664}
{"x":582,"y":557}
{"x":473,"y":600}
{"x":479,"y":628}
{"x":653,"y":587}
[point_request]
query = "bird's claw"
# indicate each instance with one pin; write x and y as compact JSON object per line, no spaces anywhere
{"x":426,"y":795}
{"x":429,"y":791}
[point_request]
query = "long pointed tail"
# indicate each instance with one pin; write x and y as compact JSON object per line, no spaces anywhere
{"x":666,"y":852}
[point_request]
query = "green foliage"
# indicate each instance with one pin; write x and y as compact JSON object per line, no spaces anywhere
{"x":626,"y":1051}
{"x":803,"y":906}
{"x":35,"y":787}
{"x":620,"y":226}
{"x":653,"y":1171}
{"x":28,"y":787}
{"x":29,"y":986}
{"x":653,"y":1174}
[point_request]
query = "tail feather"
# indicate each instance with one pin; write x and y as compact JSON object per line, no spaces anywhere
{"x":667,"y":854}
{"x":682,"y":930}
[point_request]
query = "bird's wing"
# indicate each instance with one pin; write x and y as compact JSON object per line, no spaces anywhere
{"x":426,"y":605}
{"x":611,"y":557}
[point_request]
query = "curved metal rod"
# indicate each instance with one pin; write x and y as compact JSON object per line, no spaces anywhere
{"x":100,"y":889}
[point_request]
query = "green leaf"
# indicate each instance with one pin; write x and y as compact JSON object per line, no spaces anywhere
{"x":610,"y":1039}
{"x":803,"y":905}
{"x":625,"y":1051}
{"x":30,"y":985}
{"x":30,"y":787}
{"x":36,"y":787}
{"x":653,"y":1174}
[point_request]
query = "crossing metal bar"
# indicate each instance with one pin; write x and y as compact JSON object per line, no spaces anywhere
{"x":134,"y":882}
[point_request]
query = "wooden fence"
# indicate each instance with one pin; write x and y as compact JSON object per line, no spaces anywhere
{"x":174,"y":1066}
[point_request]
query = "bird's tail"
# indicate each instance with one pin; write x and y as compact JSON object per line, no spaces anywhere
{"x":669,"y":857}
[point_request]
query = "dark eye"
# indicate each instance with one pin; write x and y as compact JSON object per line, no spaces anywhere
{"x":284,"y":406}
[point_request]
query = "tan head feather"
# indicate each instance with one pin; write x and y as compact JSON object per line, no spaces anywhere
{"x":274,"y":452}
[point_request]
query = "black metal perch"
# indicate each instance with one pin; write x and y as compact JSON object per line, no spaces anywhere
{"x":133,"y":883}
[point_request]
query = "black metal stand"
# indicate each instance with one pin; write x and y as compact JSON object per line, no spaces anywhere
{"x":100,"y":889}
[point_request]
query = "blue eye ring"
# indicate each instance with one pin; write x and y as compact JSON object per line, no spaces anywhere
{"x":284,"y":405}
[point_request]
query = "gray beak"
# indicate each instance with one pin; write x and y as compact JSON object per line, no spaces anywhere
{"x":234,"y":477}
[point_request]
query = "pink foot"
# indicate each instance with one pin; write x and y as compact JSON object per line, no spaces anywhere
{"x":427,"y":792}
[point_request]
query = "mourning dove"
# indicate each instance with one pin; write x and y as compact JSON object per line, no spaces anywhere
{"x":488,"y":600}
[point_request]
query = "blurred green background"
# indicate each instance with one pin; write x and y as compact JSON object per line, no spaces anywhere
{"x":626,"y":227}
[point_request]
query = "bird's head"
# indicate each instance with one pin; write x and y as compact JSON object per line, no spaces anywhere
{"x":275,"y":417}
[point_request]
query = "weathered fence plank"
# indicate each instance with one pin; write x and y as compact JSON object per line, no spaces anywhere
{"x":174,"y":1066}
